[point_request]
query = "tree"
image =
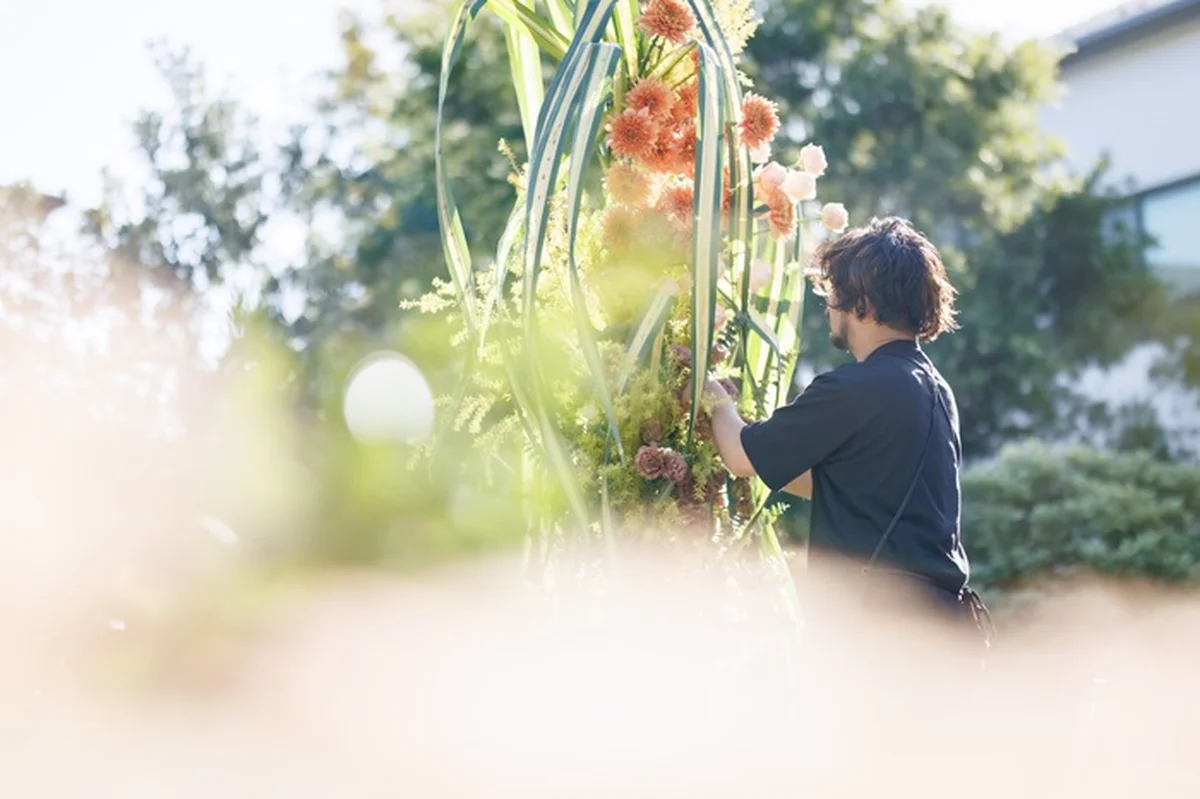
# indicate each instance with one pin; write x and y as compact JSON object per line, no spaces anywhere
{"x":189,"y":233}
{"x":919,"y":118}
{"x":926,"y":121}
{"x":365,"y":173}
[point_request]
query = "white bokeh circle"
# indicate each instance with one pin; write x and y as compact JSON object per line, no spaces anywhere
{"x":388,"y":400}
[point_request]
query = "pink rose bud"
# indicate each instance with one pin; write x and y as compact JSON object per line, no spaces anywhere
{"x":772,"y":175}
{"x":800,"y":186}
{"x":760,"y":274}
{"x":835,"y":217}
{"x":812,"y":157}
{"x":761,"y":154}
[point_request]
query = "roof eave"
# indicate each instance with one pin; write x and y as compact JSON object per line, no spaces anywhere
{"x":1130,"y":29}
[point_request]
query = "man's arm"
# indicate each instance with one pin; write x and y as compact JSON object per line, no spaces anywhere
{"x":727,"y":427}
{"x":801,"y":486}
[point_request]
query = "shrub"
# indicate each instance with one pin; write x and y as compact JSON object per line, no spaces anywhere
{"x":1038,"y":511}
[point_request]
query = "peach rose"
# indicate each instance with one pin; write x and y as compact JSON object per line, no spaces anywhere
{"x":835,"y":217}
{"x":812,"y":157}
{"x":800,"y":186}
{"x":772,"y":175}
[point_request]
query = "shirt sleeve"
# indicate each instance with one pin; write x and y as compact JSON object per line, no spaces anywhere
{"x":801,"y":435}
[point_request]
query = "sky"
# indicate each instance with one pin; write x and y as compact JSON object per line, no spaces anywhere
{"x":74,"y":73}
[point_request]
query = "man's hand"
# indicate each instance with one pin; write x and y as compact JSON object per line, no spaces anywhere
{"x":727,"y":427}
{"x":717,"y":393}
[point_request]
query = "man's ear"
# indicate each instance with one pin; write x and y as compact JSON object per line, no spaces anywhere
{"x":867,"y":312}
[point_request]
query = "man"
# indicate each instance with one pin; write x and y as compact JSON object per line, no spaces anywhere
{"x":874,"y":443}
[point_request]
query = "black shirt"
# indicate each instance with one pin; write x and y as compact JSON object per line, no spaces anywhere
{"x":860,"y":429}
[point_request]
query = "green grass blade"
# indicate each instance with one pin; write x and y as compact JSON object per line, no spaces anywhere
{"x":563,"y":16}
{"x":652,"y":321}
{"x":588,"y":30}
{"x":454,"y":240}
{"x":525,"y":60}
{"x":762,"y":327}
{"x":561,"y":465}
{"x":741,"y":228}
{"x":706,"y":229}
{"x":558,"y":113}
{"x":788,"y":328}
{"x":789,"y":323}
{"x":515,"y":14}
{"x":604,"y":59}
{"x":626,"y":24}
{"x":512,"y":231}
{"x":608,"y":526}
{"x":778,"y":252}
{"x":531,"y":411}
{"x":773,"y":552}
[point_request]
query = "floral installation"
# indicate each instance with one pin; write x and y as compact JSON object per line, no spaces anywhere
{"x":596,"y":325}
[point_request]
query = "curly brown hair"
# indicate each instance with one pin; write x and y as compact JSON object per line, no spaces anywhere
{"x":888,"y":269}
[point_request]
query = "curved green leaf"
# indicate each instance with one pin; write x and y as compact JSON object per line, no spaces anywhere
{"x":741,"y":227}
{"x":514,"y":14}
{"x":454,"y":241}
{"x":763,"y":362}
{"x":525,"y":61}
{"x":557,"y":115}
{"x":563,"y":16}
{"x":626,"y":25}
{"x":531,"y":410}
{"x":591,"y":108}
{"x":706,"y":223}
{"x":763,"y":328}
{"x":508,"y":239}
{"x":652,"y":321}
{"x":788,"y":328}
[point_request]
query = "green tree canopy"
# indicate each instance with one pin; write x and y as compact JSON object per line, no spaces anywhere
{"x":923,"y":119}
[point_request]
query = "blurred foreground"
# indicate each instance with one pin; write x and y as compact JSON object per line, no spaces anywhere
{"x":463,"y":683}
{"x":253,"y":604}
{"x":169,"y":631}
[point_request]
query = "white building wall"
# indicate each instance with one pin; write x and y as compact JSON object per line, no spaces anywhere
{"x":1140,"y":103}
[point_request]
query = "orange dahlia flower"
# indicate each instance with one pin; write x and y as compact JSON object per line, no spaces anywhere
{"x":620,"y":226}
{"x":653,"y":95}
{"x":627,"y":184}
{"x":672,"y":20}
{"x":677,"y":202}
{"x":633,"y":134}
{"x":760,"y":121}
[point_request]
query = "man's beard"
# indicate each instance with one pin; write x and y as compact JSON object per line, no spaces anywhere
{"x":837,"y":337}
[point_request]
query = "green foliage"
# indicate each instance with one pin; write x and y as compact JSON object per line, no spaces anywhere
{"x":937,"y":124}
{"x":197,"y":220}
{"x":1061,"y":291}
{"x":365,"y":171}
{"x":933,"y":123}
{"x":1038,"y":512}
{"x":491,"y":418}
{"x":917,"y":116}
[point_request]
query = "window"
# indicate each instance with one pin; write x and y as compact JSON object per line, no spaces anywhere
{"x":1171,"y":217}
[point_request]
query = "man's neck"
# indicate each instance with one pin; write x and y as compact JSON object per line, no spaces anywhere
{"x":874,"y":339}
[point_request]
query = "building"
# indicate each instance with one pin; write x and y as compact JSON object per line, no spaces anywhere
{"x":1131,"y":94}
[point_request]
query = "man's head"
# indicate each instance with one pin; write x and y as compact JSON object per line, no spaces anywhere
{"x":883,"y":280}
